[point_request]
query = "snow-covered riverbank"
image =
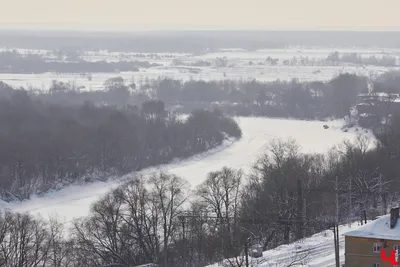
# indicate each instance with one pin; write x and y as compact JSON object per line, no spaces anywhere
{"x":75,"y":200}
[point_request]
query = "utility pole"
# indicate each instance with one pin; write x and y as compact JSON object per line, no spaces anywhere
{"x":351,"y":199}
{"x":338,"y":247}
{"x":382,"y":195}
{"x":336,"y":243}
{"x":304,"y":215}
{"x":200,"y":240}
{"x":183,"y":219}
{"x":365,"y":217}
{"x":246,"y":251}
{"x":336,"y":228}
{"x":165,"y":246}
{"x":337,"y":199}
{"x":300,"y":210}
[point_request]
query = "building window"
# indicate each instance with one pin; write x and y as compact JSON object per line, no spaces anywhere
{"x":375,"y":265}
{"x":376,"y":247}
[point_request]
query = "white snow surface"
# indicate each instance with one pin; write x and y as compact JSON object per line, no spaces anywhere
{"x":240,"y":72}
{"x":315,"y":251}
{"x":379,"y":229}
{"x":75,"y":200}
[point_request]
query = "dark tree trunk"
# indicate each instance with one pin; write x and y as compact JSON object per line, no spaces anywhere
{"x":300,"y":202}
{"x":286,"y":233}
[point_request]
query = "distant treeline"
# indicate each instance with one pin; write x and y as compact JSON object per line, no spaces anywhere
{"x":194,"y":41}
{"x":387,"y":61}
{"x":13,"y":62}
{"x":333,"y":59}
{"x":303,"y":100}
{"x":46,"y":145}
{"x":285,"y":99}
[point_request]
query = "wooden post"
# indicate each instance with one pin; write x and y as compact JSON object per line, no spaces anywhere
{"x":365,"y":217}
{"x":338,"y":247}
{"x":337,"y":199}
{"x":165,"y":246}
{"x":184,"y":240}
{"x":246,"y":251}
{"x":336,"y":243}
{"x":351,"y":200}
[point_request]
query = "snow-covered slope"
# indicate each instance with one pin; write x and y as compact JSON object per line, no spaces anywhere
{"x":315,"y":251}
{"x":75,"y":200}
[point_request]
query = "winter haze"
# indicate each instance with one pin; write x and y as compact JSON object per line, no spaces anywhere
{"x":140,"y":15}
{"x":199,"y":133}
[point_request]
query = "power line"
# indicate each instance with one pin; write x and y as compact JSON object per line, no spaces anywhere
{"x":264,"y":221}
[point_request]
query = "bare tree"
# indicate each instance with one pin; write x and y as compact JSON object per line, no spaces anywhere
{"x":103,"y":235}
{"x":220,"y":195}
{"x":24,"y":241}
{"x":169,"y":193}
{"x":142,"y":217}
{"x":61,"y":252}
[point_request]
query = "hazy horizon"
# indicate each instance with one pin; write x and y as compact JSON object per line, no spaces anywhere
{"x":156,"y":30}
{"x":177,"y":15}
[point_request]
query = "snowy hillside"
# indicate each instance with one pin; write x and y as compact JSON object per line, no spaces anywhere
{"x":315,"y":251}
{"x":75,"y":201}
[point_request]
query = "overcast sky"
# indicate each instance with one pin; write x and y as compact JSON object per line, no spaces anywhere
{"x":200,"y":14}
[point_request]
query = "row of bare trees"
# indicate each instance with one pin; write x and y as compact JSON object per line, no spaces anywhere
{"x":287,"y":195}
{"x":31,"y":242}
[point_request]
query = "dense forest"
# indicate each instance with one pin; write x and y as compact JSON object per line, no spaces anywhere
{"x":46,"y":145}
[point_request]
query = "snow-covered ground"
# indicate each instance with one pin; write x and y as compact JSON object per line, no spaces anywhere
{"x":315,"y":251}
{"x":75,"y":200}
{"x":260,"y":73}
{"x":238,"y":67}
{"x":298,"y":52}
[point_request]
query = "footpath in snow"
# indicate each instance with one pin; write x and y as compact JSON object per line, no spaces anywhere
{"x":75,"y":200}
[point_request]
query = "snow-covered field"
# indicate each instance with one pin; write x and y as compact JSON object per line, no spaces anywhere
{"x":75,"y":201}
{"x":261,"y":73}
{"x":238,"y":67}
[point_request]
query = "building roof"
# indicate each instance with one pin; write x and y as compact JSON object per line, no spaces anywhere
{"x":379,"y":229}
